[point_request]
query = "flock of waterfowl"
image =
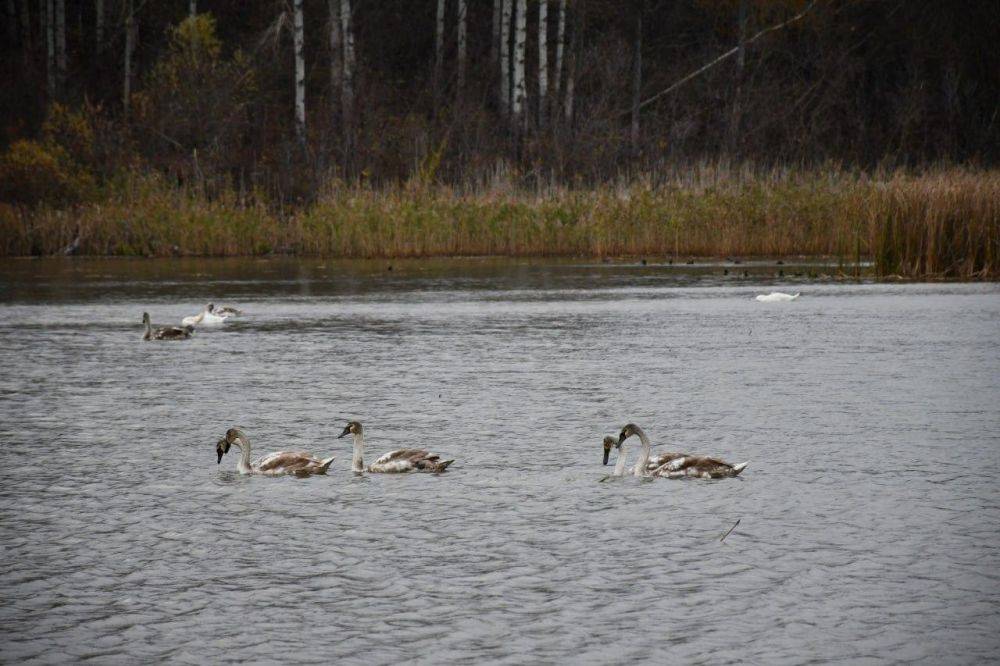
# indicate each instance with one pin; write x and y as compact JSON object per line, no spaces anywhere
{"x":667,"y":464}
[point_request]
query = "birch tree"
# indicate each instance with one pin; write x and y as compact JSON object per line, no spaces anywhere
{"x":636,"y":76}
{"x":543,"y":58}
{"x":520,"y":37}
{"x":26,"y":27}
{"x":193,"y":7}
{"x":461,"y":10}
{"x":347,"y":83}
{"x":300,"y":72}
{"x":98,"y":25}
{"x":505,"y":17}
{"x":438,"y":51}
{"x":560,"y":43}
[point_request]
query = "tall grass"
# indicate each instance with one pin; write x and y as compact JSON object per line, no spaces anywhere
{"x":943,"y":223}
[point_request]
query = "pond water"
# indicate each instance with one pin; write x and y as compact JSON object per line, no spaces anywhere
{"x":869,"y":514}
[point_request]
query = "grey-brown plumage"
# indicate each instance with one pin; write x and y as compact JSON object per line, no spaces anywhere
{"x":394,"y":462}
{"x":682,"y":465}
{"x":165,"y":332}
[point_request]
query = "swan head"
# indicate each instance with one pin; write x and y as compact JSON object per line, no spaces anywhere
{"x":222,"y":448}
{"x":189,"y":328}
{"x":210,"y":307}
{"x":352,"y":428}
{"x":609,"y":443}
{"x":627,"y":431}
{"x":145,"y":317}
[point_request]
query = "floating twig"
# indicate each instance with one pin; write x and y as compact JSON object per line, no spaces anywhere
{"x":730,"y":530}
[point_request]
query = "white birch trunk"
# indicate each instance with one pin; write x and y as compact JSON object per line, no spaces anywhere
{"x":193,"y":7}
{"x":543,"y":58}
{"x":50,"y":49}
{"x":495,"y":35}
{"x":300,"y":71}
{"x":438,"y":50}
{"x":461,"y":11}
{"x":505,"y":17}
{"x":129,"y":46}
{"x":61,"y":46}
{"x":560,"y":44}
{"x":336,"y":58}
{"x":99,"y":25}
{"x":520,"y":37}
{"x":347,"y":89}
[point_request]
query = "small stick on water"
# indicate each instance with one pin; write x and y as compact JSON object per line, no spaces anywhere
{"x":730,"y":531}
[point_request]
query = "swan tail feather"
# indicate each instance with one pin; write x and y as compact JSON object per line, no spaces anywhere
{"x":443,"y":465}
{"x":739,"y":468}
{"x":325,"y":464}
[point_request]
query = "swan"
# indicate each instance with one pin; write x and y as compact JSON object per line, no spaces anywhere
{"x":656,"y":460}
{"x":400,"y":460}
{"x":206,"y":317}
{"x":777,"y":297}
{"x":165,"y":333}
{"x":687,"y":465}
{"x":227,"y":311}
{"x":273,"y":464}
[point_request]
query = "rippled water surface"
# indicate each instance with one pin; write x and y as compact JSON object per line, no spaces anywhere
{"x":870,"y":512}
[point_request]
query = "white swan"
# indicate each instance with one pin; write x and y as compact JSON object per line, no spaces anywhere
{"x":206,"y":317}
{"x":777,"y":297}
{"x":400,"y":460}
{"x":688,"y":465}
{"x":165,"y":333}
{"x":273,"y":464}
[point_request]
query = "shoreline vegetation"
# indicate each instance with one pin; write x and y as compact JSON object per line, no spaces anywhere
{"x":940,"y":223}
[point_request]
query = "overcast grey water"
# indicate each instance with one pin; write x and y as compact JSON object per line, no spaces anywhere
{"x":869,"y":515}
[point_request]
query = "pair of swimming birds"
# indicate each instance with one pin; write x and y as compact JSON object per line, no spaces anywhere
{"x":670,"y":465}
{"x":303,"y":464}
{"x":209,"y":316}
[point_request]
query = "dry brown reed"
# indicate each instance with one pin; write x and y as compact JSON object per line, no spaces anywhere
{"x":941,"y":223}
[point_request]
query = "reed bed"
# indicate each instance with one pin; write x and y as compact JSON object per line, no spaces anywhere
{"x":943,"y":223}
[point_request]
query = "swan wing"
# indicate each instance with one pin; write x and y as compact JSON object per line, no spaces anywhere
{"x":409,"y":460}
{"x":283,"y":462}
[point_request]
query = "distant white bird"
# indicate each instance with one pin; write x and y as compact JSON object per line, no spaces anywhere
{"x":206,"y":317}
{"x":776,"y":297}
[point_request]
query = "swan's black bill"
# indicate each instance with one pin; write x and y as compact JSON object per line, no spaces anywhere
{"x":607,"y":453}
{"x":222,"y":448}
{"x":347,"y":431}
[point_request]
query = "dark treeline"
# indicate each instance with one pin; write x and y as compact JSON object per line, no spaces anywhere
{"x":278,"y":97}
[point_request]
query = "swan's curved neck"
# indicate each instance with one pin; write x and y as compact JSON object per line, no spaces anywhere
{"x":243,"y":464}
{"x":620,"y":464}
{"x":149,"y":328}
{"x":644,"y":453}
{"x":357,"y":462}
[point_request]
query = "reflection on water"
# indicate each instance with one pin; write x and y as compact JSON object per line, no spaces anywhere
{"x":868,"y":513}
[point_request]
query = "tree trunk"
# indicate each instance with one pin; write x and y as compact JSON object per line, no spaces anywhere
{"x":300,"y":72}
{"x":438,"y":52}
{"x":129,"y":46}
{"x":520,"y":37}
{"x":543,"y":58}
{"x":505,"y":57}
{"x":636,"y":77}
{"x":571,"y":65}
{"x":50,"y":49}
{"x":461,"y":12}
{"x":193,"y":7}
{"x":11,"y":23}
{"x":495,"y":35}
{"x":336,"y":60}
{"x":61,"y":46}
{"x":560,"y":42}
{"x":734,"y":122}
{"x":98,"y":26}
{"x":347,"y":89}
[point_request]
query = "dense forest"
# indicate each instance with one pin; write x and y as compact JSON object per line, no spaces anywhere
{"x":415,"y":127}
{"x":278,"y":94}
